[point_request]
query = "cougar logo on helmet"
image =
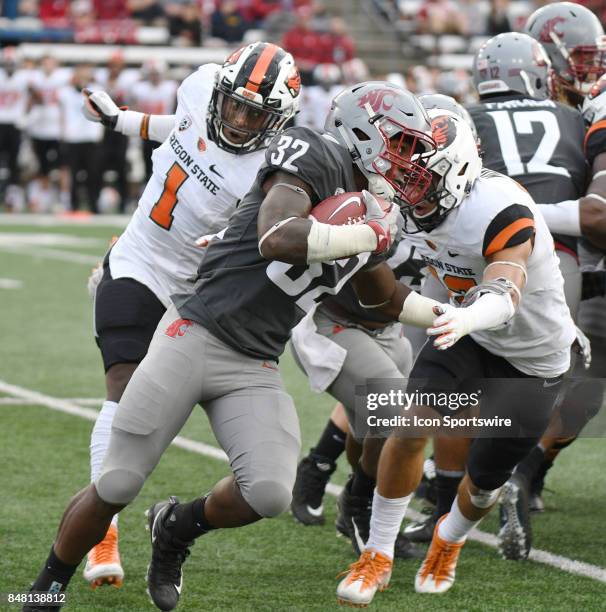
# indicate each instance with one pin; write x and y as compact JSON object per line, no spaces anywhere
{"x":233,"y":58}
{"x":378,"y":99}
{"x":443,"y":131}
{"x":549,"y":27}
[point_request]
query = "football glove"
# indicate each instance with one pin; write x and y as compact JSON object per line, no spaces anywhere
{"x":383,"y":223}
{"x":99,"y":107}
{"x":582,"y":347}
{"x":450,"y":325}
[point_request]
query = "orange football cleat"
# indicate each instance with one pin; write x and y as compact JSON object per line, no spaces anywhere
{"x":103,"y":563}
{"x":437,"y":573}
{"x":369,"y":574}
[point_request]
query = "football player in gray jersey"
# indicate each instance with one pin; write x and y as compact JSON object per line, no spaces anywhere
{"x":219,"y":345}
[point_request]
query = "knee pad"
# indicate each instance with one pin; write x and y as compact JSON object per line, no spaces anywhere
{"x":484,"y":498}
{"x":268,"y":498}
{"x":119,"y":486}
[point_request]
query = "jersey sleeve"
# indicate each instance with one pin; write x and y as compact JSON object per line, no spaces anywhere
{"x":511,"y":226}
{"x":201,"y":79}
{"x":304,"y":153}
{"x":595,"y":141}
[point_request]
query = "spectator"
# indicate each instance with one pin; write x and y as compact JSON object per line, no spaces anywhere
{"x":54,"y":11}
{"x":260,"y":10}
{"x":305,"y":44}
{"x":227,"y":22}
{"x":441,"y":17}
{"x":146,"y":11}
{"x":110,"y":9}
{"x":80,"y":141}
{"x":317,"y":98}
{"x":184,"y":22}
{"x":498,"y":18}
{"x":340,"y":47}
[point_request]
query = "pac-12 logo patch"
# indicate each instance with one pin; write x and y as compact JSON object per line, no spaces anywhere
{"x":184,"y":123}
{"x":201,"y":145}
{"x":178,"y":328}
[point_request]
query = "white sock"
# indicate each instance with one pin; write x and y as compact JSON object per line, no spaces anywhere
{"x":99,"y":442}
{"x":387,"y":516}
{"x":455,"y":527}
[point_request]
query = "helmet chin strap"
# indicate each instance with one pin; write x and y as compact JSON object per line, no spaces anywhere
{"x":233,"y":144}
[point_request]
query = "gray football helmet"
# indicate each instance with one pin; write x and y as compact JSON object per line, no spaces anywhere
{"x":388,"y":134}
{"x":512,"y":62}
{"x":574,"y":40}
{"x":448,"y":103}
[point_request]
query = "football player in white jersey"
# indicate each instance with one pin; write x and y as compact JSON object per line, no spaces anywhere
{"x":482,"y":236}
{"x":211,"y":150}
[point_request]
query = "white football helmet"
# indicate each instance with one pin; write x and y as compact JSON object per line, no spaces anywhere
{"x":455,"y":166}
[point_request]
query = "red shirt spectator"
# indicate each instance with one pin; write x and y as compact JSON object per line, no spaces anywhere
{"x":52,"y":10}
{"x":111,"y":9}
{"x":305,"y":44}
{"x":260,"y":9}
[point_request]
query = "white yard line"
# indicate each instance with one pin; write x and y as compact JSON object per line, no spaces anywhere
{"x":69,"y":256}
{"x":67,"y":406}
{"x":58,"y":220}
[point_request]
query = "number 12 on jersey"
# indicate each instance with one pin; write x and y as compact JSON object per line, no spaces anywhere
{"x":162,"y":212}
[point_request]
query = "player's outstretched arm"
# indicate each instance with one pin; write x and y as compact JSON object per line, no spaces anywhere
{"x":491,"y":303}
{"x":592,"y":208}
{"x":99,"y":107}
{"x":286,"y":233}
{"x":378,"y":289}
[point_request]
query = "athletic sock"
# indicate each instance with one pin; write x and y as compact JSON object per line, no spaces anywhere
{"x":55,"y":575}
{"x":455,"y":527}
{"x":530,"y":465}
{"x":362,"y":485}
{"x":447,"y":484}
{"x":331,"y":444}
{"x":385,"y":522}
{"x":189,"y":520}
{"x":99,"y":442}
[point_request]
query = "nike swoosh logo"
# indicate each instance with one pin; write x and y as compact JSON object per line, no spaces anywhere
{"x":550,"y":384}
{"x":347,"y":202}
{"x":179,"y":586}
{"x":213,"y":169}
{"x":315,"y":511}
{"x":359,"y":540}
{"x":153,"y":529}
{"x":451,"y":254}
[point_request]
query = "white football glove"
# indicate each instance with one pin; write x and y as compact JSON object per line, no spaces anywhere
{"x":450,"y":325}
{"x":384,"y":224}
{"x":594,"y":109}
{"x":582,"y":347}
{"x":99,"y":107}
{"x":94,"y":279}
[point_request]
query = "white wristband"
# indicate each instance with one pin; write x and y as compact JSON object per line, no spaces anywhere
{"x":562,"y":217}
{"x":418,"y":310}
{"x":327,"y":242}
{"x":129,"y":123}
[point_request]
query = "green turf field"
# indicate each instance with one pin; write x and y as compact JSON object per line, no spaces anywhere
{"x":46,"y":345}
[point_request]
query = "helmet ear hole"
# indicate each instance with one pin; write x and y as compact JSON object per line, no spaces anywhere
{"x":362,"y":136}
{"x":463,"y":169}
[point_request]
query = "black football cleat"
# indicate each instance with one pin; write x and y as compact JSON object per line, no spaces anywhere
{"x":164,"y":575}
{"x":515,"y":535}
{"x":353,"y":521}
{"x":422,"y":531}
{"x":313,"y":474}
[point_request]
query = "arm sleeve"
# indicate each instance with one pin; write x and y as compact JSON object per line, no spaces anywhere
{"x":148,"y":127}
{"x":511,"y":226}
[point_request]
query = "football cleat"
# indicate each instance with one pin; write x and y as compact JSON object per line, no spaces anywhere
{"x":353,"y":522}
{"x":103,"y":562}
{"x":437,"y":572}
{"x":421,"y":531}
{"x":369,"y":574}
{"x":515,"y":535}
{"x":313,"y":474}
{"x":164,"y":575}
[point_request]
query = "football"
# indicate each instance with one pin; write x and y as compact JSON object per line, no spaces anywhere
{"x":343,"y":209}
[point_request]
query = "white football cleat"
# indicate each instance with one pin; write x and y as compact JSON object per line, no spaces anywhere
{"x":103,"y":562}
{"x":437,"y":572}
{"x":369,"y":574}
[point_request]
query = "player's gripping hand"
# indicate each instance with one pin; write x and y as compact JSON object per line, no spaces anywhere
{"x":384,"y":223}
{"x":594,"y":105}
{"x":582,"y":347}
{"x":99,"y":107}
{"x":450,"y":325}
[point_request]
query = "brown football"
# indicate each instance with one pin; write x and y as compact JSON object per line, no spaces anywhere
{"x":343,"y":209}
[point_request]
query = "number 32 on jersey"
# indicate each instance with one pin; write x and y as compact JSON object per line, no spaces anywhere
{"x":162,"y":212}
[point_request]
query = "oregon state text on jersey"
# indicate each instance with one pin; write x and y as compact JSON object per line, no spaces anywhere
{"x":194,"y":188}
{"x":537,"y":142}
{"x":496,"y":215}
{"x":247,"y":301}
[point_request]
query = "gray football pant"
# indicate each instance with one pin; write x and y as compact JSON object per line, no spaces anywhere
{"x":252,"y":417}
{"x":369,"y":356}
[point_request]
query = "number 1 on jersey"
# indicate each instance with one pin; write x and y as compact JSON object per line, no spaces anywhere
{"x":162,"y":212}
